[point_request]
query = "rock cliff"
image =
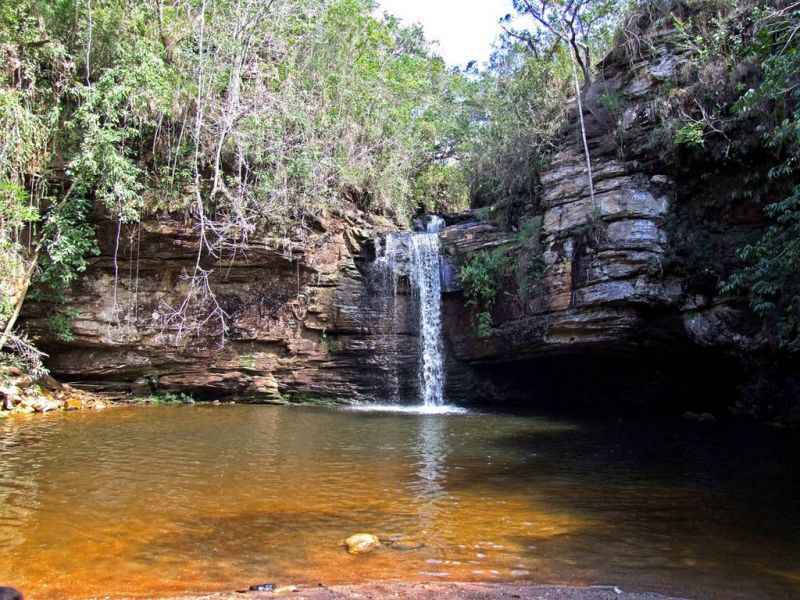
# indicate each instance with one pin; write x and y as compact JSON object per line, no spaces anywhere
{"x":630,"y":285}
{"x":301,"y":321}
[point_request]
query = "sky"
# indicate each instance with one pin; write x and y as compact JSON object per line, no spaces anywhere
{"x":465,"y":29}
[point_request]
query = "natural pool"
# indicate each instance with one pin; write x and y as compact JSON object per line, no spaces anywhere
{"x":158,"y":501}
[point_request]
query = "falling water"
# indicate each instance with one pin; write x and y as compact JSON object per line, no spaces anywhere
{"x":427,"y":285}
{"x":388,"y":251}
{"x":416,"y":255}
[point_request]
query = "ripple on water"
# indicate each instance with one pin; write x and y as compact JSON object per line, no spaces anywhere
{"x":170,"y":500}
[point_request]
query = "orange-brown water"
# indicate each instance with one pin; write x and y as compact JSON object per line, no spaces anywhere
{"x":160,"y":501}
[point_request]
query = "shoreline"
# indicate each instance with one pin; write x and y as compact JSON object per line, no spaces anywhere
{"x":437,"y":591}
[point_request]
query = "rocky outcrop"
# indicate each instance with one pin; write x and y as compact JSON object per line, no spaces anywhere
{"x":615,"y":284}
{"x":297,"y":319}
{"x":22,"y":394}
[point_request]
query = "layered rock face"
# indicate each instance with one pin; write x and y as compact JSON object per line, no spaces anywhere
{"x":611,"y":293}
{"x":302,"y":319}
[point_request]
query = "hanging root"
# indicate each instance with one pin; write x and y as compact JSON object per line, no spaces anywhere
{"x":199,"y":311}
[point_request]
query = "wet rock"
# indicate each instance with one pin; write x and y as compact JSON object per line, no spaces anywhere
{"x":361,"y":543}
{"x":73,"y":403}
{"x":44,"y":405}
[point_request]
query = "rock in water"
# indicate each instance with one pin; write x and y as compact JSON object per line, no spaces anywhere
{"x":7,"y":593}
{"x":361,"y":543}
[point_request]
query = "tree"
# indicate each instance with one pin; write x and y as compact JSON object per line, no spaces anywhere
{"x":573,"y":23}
{"x":769,"y":275}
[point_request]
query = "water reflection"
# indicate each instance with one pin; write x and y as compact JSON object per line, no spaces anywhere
{"x":173,"y":500}
{"x":19,"y":480}
{"x":429,"y":488}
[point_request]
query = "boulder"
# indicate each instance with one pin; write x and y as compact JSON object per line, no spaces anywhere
{"x":361,"y":543}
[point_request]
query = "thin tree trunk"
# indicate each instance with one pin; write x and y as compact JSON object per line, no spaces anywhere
{"x":12,"y":320}
{"x":583,"y":131}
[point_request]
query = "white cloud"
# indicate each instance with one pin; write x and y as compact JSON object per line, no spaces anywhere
{"x":465,"y":29}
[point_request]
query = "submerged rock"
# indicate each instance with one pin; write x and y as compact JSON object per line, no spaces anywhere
{"x":361,"y":543}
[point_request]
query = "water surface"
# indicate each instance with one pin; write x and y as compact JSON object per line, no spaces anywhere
{"x":159,"y":501}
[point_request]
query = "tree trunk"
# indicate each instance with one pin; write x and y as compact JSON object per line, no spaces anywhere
{"x":583,"y":132}
{"x":12,"y":320}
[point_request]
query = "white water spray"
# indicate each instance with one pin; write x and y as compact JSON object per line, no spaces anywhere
{"x":427,"y":285}
{"x":417,"y":255}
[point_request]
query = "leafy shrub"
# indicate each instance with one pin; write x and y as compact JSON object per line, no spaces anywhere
{"x":690,"y":135}
{"x":772,"y":263}
{"x":61,"y":324}
{"x":482,"y":276}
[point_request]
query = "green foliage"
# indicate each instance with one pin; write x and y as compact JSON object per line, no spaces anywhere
{"x":61,"y":324}
{"x":714,"y":30}
{"x":518,"y":105}
{"x":771,"y":274}
{"x":169,"y":398}
{"x":613,"y":102}
{"x":530,"y":265}
{"x":68,"y":241}
{"x":482,"y":277}
{"x":772,"y":263}
{"x":691,"y":134}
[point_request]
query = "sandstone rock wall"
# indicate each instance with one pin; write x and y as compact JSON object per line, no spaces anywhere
{"x":610,"y":286}
{"x":302,"y":322}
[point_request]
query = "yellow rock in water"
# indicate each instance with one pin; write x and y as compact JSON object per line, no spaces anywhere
{"x":73,"y":403}
{"x":361,"y":543}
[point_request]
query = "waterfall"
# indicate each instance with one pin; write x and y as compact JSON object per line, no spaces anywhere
{"x":387,"y":266}
{"x":416,"y":256}
{"x":427,"y":285}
